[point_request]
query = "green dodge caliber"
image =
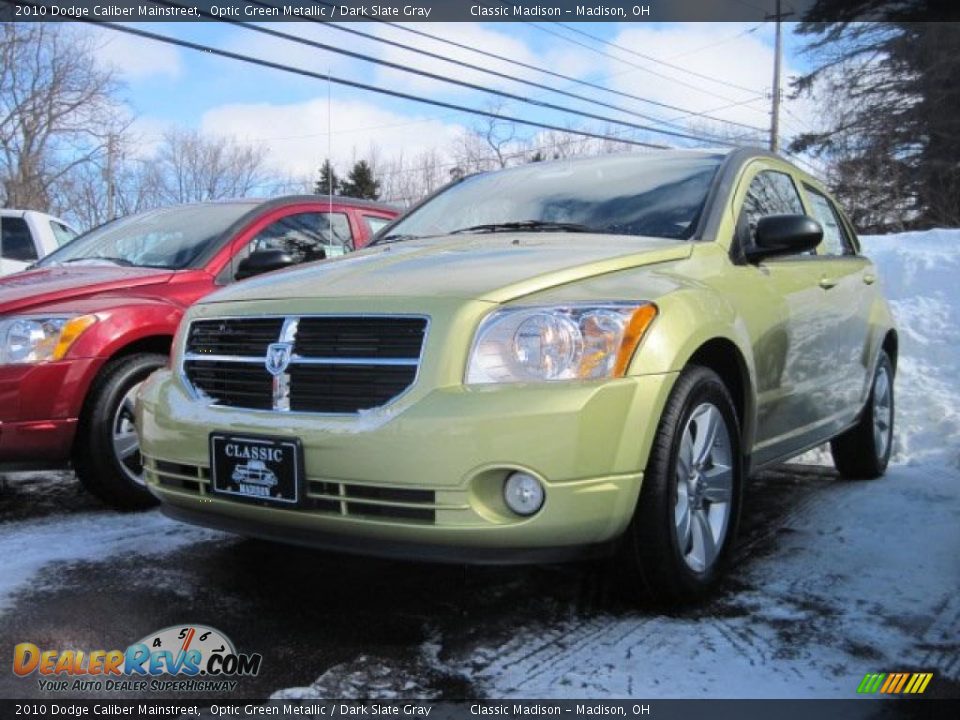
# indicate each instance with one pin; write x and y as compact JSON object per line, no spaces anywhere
{"x":551,"y":361}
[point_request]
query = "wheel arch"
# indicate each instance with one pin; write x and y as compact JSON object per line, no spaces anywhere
{"x":724,"y":357}
{"x":891,"y":346}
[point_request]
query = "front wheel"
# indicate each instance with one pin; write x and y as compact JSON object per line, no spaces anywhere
{"x":107,"y":455}
{"x":863,"y":451}
{"x":689,"y":507}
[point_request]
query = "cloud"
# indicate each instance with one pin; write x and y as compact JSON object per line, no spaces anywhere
{"x":565,"y":60}
{"x":743,"y":62}
{"x":295,"y":134}
{"x":136,"y":59}
{"x":278,"y":49}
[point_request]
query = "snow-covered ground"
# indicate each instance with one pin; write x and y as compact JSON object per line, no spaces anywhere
{"x":833,"y":579}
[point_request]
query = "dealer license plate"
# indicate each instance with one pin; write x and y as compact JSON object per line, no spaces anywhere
{"x":256,"y":468}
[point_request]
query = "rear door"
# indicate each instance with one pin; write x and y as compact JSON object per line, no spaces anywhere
{"x":17,"y":249}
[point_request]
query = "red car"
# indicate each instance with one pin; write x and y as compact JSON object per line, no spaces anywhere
{"x":81,"y":330}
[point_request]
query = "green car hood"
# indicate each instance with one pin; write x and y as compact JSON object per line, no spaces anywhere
{"x":493,"y":268}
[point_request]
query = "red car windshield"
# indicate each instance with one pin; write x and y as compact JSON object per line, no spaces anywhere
{"x":172,"y":238}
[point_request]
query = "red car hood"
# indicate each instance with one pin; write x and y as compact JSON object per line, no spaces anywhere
{"x":33,"y":288}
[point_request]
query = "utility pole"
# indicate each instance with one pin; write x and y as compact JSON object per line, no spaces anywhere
{"x":775,"y":105}
{"x":108,"y":176}
{"x":775,"y":92}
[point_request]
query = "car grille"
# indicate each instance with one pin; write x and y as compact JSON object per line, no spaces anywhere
{"x":414,"y":505}
{"x":336,"y":364}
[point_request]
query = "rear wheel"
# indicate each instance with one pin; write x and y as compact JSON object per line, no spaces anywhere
{"x":689,"y":507}
{"x":863,"y":451}
{"x":107,"y":456}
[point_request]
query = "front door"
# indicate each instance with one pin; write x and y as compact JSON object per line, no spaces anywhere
{"x":795,"y":366}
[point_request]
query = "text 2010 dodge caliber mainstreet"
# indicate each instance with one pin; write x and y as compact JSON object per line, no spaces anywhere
{"x":550,"y":361}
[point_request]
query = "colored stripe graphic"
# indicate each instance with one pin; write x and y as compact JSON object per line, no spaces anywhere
{"x":871,"y":682}
{"x":895,"y":683}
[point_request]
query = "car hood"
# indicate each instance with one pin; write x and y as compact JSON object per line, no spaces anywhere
{"x":34,"y":288}
{"x":494,"y":268}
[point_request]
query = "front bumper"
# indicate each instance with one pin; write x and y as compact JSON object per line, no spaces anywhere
{"x":39,"y":407}
{"x":431,"y":469}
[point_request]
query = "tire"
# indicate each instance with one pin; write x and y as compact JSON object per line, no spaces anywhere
{"x":654,"y":559}
{"x":113,"y":470}
{"x":863,"y":451}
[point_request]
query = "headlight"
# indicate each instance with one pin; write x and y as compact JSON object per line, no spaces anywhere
{"x":558,"y":343}
{"x":40,"y":339}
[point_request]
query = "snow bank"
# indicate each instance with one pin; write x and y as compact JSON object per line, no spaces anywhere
{"x":921,"y":277}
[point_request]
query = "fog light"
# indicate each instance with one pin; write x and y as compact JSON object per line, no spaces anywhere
{"x":523,"y":493}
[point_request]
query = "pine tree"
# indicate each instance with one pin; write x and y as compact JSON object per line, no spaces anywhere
{"x":328,"y":182}
{"x":360,"y":183}
{"x":890,"y":117}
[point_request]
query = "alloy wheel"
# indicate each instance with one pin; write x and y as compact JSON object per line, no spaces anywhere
{"x":126,"y":443}
{"x":704,"y":477}
{"x":882,"y":411}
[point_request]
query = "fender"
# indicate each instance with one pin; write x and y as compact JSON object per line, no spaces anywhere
{"x":881,"y":324}
{"x":116,"y":328}
{"x":688,"y":319}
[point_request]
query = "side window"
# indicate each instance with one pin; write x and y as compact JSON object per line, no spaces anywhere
{"x":305,"y":235}
{"x":835,"y":240}
{"x":770,"y":193}
{"x":61,"y":233}
{"x":15,"y":240}
{"x":375,"y":224}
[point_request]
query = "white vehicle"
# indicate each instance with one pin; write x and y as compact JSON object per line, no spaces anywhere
{"x":254,"y":473}
{"x":28,"y":235}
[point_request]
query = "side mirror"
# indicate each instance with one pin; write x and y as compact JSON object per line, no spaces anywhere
{"x":784,"y":235}
{"x":263,"y":261}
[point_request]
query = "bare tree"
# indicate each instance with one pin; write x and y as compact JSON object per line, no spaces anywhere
{"x":84,"y":194}
{"x":58,"y":108}
{"x":405,"y":180}
{"x":193,"y":167}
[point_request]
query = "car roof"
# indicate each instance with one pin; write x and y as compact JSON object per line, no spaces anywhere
{"x":281,"y":200}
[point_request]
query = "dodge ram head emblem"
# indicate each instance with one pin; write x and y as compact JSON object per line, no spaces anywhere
{"x":278,"y":357}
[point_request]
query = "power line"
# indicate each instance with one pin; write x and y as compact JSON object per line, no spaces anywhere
{"x":624,"y":61}
{"x":519,"y":63}
{"x":680,"y":131}
{"x":635,"y":53}
{"x":723,"y":41}
{"x":358,"y":85}
{"x":452,"y":81}
{"x":733,"y":105}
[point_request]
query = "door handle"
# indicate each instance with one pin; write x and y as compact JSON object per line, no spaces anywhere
{"x":869,"y":279}
{"x":827,"y":282}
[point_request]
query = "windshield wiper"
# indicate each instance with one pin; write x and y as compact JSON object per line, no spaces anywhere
{"x":525,"y":226}
{"x":123,"y":262}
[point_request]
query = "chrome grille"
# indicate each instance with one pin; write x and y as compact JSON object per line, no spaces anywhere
{"x":326,"y":364}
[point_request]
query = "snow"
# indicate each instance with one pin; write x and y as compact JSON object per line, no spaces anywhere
{"x":809,"y":622}
{"x":30,"y":546}
{"x":921,"y":277}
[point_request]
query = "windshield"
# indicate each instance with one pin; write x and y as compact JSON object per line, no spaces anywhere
{"x":654,"y":195}
{"x":171,"y":238}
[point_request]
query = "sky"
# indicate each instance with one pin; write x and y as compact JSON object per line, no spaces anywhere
{"x":722,"y":69}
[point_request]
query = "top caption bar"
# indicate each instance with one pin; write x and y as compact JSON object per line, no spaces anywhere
{"x":566,"y":11}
